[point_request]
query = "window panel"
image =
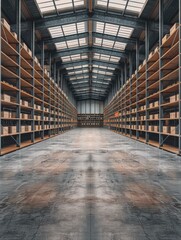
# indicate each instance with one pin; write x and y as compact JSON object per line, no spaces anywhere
{"x":48,"y":6}
{"x":132,"y":6}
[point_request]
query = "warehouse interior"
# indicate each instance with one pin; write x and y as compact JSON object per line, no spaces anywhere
{"x":90,"y":136}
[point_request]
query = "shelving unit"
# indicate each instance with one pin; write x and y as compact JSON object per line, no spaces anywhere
{"x":146,"y":108}
{"x":33,"y":107}
{"x":90,"y":120}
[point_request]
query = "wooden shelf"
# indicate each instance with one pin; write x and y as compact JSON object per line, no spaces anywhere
{"x":159,"y":96}
{"x":18,"y":89}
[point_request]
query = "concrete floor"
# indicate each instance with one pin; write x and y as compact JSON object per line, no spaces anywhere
{"x":90,"y":184}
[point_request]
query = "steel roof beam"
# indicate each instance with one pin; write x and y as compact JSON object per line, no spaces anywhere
{"x":97,"y":62}
{"x":93,"y":79}
{"x":93,"y":74}
{"x":63,"y":19}
{"x":85,"y":68}
{"x":86,"y":49}
{"x":85,"y":35}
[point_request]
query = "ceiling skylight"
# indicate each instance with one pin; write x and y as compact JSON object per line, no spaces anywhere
{"x":134,"y":7}
{"x":56,"y":6}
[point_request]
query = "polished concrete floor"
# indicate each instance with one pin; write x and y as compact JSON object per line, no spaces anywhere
{"x":90,"y":184}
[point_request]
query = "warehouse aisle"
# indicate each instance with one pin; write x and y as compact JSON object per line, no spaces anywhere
{"x":90,"y":184}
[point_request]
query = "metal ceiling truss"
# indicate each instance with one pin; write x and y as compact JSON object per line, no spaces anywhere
{"x":87,"y":49}
{"x":82,"y":16}
{"x":83,"y":62}
{"x":94,"y":34}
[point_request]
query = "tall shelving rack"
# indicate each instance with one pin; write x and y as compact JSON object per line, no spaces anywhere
{"x":147,"y":107}
{"x":33,"y":107}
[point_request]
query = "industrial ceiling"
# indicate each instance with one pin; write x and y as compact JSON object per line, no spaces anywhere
{"x":90,"y":41}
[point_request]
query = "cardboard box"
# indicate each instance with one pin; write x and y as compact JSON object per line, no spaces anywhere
{"x":12,"y":129}
{"x":5,"y":114}
{"x":15,"y":35}
{"x":174,"y":28}
{"x":156,"y":116}
{"x":5,"y":97}
{"x":164,"y":39}
{"x":29,"y":52}
{"x":150,"y":128}
{"x":166,"y":129}
{"x":174,"y":98}
{"x":150,"y":55}
{"x":155,"y":129}
{"x":4,"y":130}
{"x":174,"y":130}
{"x":25,"y":46}
{"x":22,"y":128}
{"x":6,"y":24}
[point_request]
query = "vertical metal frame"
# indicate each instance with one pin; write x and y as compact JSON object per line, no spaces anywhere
{"x":160,"y":71}
{"x":49,"y":88}
{"x":147,"y":47}
{"x":179,"y":151}
{"x":0,"y":85}
{"x":137,"y":99}
{"x":33,"y":80}
{"x":43,"y":89}
{"x":18,"y":31}
{"x":130,"y":85}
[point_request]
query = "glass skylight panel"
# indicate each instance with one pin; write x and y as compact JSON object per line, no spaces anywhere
{"x":99,"y":27}
{"x":114,"y":59}
{"x":82,"y":41}
{"x":104,"y":57}
{"x":111,"y":29}
{"x":120,"y":46}
{"x":132,"y":6}
{"x":98,"y":41}
{"x":75,"y":57}
{"x":72,"y":43}
{"x":125,"y":32}
{"x":136,"y":5}
{"x":61,"y":45}
{"x":55,"y":32}
{"x":107,"y":43}
{"x":69,"y":29}
{"x":66,"y":59}
{"x":48,"y":6}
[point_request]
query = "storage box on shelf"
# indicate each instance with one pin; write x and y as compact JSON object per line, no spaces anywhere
{"x":148,"y":119}
{"x":54,"y":97}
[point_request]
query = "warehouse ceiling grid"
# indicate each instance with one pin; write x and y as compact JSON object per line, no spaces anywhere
{"x":90,"y":51}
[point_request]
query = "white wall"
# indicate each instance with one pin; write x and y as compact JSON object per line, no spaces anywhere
{"x":89,"y":106}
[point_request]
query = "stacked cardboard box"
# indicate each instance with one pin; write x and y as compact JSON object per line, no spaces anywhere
{"x":6,"y":24}
{"x":166,"y":129}
{"x":164,"y":39}
{"x":174,"y":130}
{"x":12,"y":129}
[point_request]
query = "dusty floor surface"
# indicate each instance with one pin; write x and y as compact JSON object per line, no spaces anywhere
{"x":90,"y":184}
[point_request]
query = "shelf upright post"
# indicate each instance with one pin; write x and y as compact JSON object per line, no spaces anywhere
{"x":18,"y":31}
{"x":130,"y":85}
{"x":33,"y":81}
{"x":58,"y":96}
{"x":125,"y":109}
{"x":61,"y":100}
{"x":122,"y":101}
{"x":49,"y":94}
{"x":160,"y":72}
{"x":137,"y":98}
{"x":179,"y":78}
{"x":54,"y":94}
{"x":147,"y":46}
{"x":43,"y":89}
{"x":0,"y":85}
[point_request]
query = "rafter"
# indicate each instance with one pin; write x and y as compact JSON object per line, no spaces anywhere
{"x":69,"y":18}
{"x":86,"y":49}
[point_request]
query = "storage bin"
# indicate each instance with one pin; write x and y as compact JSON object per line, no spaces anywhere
{"x":6,"y":24}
